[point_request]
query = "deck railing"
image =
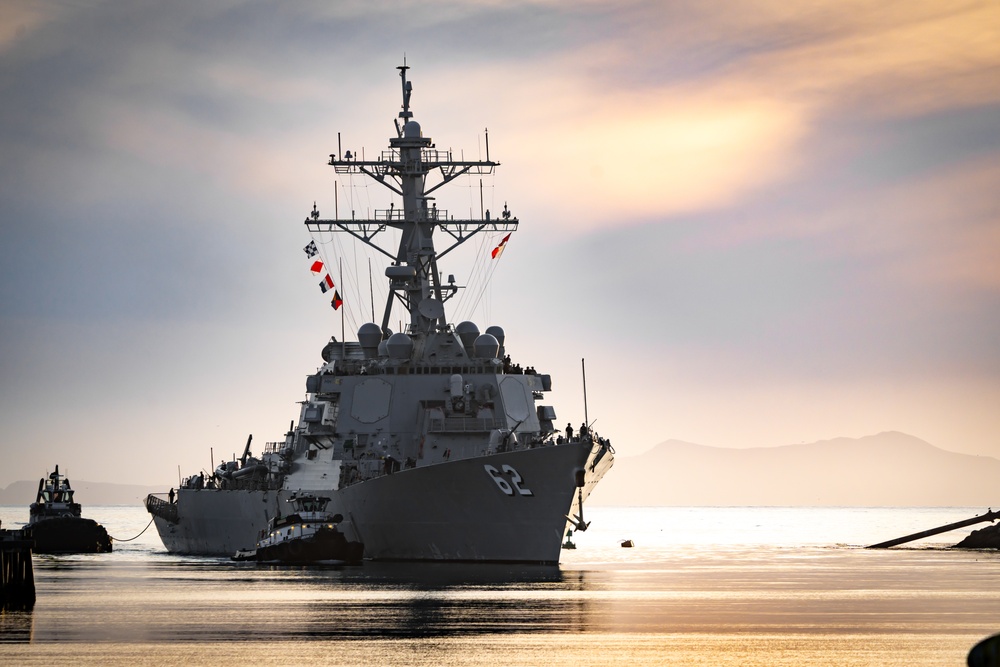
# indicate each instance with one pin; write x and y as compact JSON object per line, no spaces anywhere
{"x":161,"y":508}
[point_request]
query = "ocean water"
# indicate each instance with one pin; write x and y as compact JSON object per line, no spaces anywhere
{"x":701,"y":586}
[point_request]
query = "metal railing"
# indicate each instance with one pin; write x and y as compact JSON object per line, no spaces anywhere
{"x":161,"y":508}
{"x":463,"y":424}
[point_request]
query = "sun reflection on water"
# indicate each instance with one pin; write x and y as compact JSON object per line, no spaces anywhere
{"x":701,"y":586}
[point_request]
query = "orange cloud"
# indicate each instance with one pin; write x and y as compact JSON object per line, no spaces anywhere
{"x":707,"y":143}
{"x":659,"y":153}
{"x":890,"y":60}
{"x":18,"y":21}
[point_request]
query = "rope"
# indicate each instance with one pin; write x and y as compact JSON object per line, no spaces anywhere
{"x":136,"y":537}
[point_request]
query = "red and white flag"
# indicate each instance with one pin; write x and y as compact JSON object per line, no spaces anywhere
{"x":499,"y":249}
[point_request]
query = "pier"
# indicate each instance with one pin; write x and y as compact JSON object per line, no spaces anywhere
{"x":17,"y":579}
{"x":989,"y":515}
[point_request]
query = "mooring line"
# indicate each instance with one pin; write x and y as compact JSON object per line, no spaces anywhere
{"x":137,"y":536}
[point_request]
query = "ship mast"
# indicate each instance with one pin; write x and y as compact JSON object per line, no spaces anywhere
{"x":413,"y":168}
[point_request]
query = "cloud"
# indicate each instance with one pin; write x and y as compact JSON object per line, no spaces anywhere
{"x":901,"y":60}
{"x":718,"y":196}
{"x":666,"y":111}
{"x":868,"y":57}
{"x":19,"y":20}
{"x":941,"y":231}
{"x":633,"y":156}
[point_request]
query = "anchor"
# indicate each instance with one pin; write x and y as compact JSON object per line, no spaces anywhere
{"x":577,"y":519}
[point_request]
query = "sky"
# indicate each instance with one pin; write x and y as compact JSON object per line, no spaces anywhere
{"x":759,"y":223}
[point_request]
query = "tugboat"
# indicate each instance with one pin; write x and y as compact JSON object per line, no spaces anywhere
{"x":431,"y":441}
{"x":308,"y":535}
{"x":56,"y":524}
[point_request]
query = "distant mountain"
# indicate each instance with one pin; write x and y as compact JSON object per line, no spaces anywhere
{"x":87,"y":493}
{"x":888,"y":469}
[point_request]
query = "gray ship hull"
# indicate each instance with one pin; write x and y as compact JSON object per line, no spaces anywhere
{"x":507,"y":507}
{"x":216,"y":522}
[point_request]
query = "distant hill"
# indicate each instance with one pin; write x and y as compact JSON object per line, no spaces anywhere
{"x":888,"y":469}
{"x":87,"y":493}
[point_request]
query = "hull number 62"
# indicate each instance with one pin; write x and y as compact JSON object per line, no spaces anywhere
{"x":515,"y":483}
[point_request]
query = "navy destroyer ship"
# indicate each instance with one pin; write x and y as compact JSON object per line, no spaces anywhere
{"x":430,"y":442}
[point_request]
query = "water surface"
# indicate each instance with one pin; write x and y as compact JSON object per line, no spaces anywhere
{"x":712,"y":586}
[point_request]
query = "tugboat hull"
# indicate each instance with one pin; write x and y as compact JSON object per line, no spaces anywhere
{"x":59,"y":535}
{"x":327,"y":546}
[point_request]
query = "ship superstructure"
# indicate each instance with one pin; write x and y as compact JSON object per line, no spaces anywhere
{"x":429,"y":441}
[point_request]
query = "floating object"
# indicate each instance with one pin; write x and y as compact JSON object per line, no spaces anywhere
{"x":56,"y":524}
{"x":568,"y":544}
{"x":628,"y":544}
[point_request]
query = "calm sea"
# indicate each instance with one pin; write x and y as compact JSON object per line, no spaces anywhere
{"x":702,"y":586}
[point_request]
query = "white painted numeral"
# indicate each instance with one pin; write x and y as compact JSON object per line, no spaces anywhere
{"x":501,"y":482}
{"x":515,"y":480}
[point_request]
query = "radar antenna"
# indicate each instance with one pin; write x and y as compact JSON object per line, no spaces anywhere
{"x":405,"y":114}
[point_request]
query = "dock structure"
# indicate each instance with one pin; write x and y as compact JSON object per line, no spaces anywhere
{"x":989,"y":515}
{"x":17,"y":579}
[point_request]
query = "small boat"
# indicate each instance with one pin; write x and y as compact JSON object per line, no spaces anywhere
{"x":627,"y":544}
{"x":56,"y":524}
{"x":308,"y":535}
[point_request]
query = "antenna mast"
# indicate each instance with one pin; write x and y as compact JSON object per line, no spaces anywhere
{"x":412,"y":168}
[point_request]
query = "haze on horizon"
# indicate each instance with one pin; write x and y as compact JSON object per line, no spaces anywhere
{"x":760,"y":224}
